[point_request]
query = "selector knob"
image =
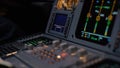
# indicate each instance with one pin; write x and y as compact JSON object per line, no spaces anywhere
{"x":73,"y":50}
{"x":64,"y":45}
{"x":82,"y":52}
{"x":56,"y":43}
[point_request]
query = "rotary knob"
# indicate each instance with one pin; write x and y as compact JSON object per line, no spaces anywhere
{"x":73,"y":50}
{"x":64,"y":45}
{"x":82,"y":52}
{"x":56,"y":43}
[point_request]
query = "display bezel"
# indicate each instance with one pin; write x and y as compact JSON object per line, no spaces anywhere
{"x":78,"y":32}
{"x":65,"y":30}
{"x":107,"y":48}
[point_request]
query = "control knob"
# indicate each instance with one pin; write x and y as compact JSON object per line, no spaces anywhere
{"x":64,"y":45}
{"x":82,"y":52}
{"x":56,"y":43}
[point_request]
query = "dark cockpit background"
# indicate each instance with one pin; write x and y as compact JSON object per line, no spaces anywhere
{"x":20,"y":18}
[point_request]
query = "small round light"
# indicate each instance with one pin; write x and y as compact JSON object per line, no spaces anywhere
{"x":64,"y":54}
{"x":58,"y":57}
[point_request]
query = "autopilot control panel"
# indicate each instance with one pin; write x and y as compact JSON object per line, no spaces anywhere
{"x":79,"y":34}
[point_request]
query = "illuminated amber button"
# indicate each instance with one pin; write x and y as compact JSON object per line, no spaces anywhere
{"x":88,"y":15}
{"x":110,"y":17}
{"x":98,"y":18}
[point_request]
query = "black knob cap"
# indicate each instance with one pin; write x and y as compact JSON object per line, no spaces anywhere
{"x":64,"y":45}
{"x":73,"y":50}
{"x":82,"y":52}
{"x":56,"y":43}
